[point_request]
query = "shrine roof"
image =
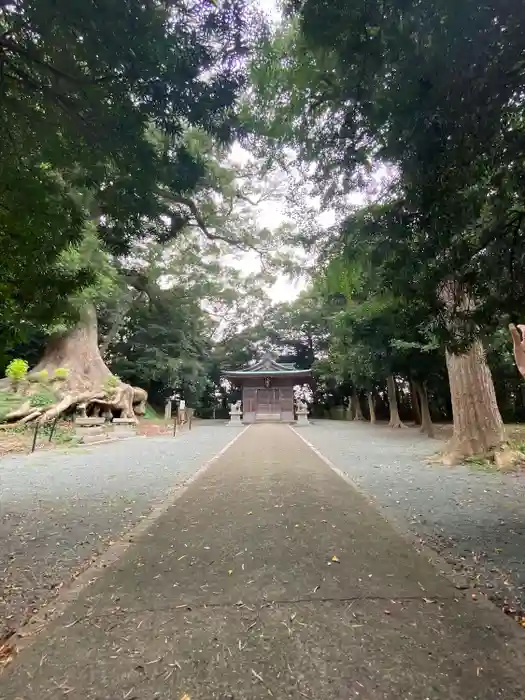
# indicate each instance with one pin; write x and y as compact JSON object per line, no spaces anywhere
{"x":269,"y":367}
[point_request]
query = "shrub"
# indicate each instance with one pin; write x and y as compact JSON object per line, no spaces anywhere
{"x":42,"y":376}
{"x":61,"y":373}
{"x":111,"y":383}
{"x":17,"y":370}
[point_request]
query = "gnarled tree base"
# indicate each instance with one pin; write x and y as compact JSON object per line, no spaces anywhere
{"x":89,"y":387}
{"x":503,"y":457}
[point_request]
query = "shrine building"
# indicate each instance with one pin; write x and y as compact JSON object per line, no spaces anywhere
{"x":267,"y":389}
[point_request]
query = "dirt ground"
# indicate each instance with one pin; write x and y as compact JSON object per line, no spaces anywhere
{"x":20,"y":440}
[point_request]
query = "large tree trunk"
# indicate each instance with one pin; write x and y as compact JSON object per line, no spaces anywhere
{"x":478,"y":427}
{"x":77,"y":351}
{"x":395,"y":420}
{"x":357,"y":411}
{"x":415,"y":401}
{"x":427,"y":426}
{"x":86,"y":384}
{"x":372,"y":407}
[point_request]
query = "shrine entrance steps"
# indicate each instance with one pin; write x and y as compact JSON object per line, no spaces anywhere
{"x":270,"y":577}
{"x":268,"y":418}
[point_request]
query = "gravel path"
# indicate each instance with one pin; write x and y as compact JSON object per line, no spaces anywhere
{"x":59,"y":510}
{"x":475,"y":519}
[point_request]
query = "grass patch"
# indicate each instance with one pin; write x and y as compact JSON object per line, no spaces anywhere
{"x":151,"y":414}
{"x":43,"y":398}
{"x":19,"y":438}
{"x":481,"y":464}
{"x":9,"y":401}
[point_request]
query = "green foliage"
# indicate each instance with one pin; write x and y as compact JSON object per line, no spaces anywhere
{"x":42,"y":376}
{"x":9,"y":402}
{"x":17,"y":370}
{"x":111,"y":383}
{"x":61,"y":373}
{"x":94,"y":109}
{"x":390,"y":103}
{"x":42,"y":398}
{"x":151,"y":413}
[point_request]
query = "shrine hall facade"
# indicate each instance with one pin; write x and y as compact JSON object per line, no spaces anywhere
{"x":267,"y":389}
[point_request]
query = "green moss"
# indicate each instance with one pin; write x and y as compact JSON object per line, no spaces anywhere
{"x":112,"y":382}
{"x":61,"y":373}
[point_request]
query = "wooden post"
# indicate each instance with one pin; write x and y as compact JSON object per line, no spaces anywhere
{"x":52,"y":431}
{"x":167,"y":411}
{"x":35,"y":435}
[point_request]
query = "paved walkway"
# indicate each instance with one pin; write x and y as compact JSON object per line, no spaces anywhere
{"x":58,"y":509}
{"x":474,"y":517}
{"x":233,"y":595}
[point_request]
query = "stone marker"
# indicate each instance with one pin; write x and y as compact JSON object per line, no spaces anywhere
{"x":302,"y":413}
{"x":236,"y":413}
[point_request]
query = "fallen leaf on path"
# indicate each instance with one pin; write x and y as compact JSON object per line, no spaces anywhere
{"x":185,"y":697}
{"x":7,"y":652}
{"x":336,"y":559}
{"x":230,"y":572}
{"x":429,"y":600}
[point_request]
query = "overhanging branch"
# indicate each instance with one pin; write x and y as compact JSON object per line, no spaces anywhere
{"x":201,"y":223}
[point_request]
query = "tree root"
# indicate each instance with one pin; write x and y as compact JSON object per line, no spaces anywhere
{"x":397,"y":424}
{"x":20,"y":412}
{"x":122,"y":400}
{"x":504,"y":458}
{"x":508,"y":460}
{"x":68,"y":401}
{"x":36,"y":413}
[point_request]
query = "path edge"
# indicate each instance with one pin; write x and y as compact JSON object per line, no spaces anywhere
{"x":25,"y":635}
{"x":434,"y":559}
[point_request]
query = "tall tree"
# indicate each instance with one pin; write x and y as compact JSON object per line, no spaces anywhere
{"x":393,"y":87}
{"x":96,"y":100}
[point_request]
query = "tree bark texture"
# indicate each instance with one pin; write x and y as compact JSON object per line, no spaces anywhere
{"x":357,"y":411}
{"x":415,"y":399}
{"x":478,"y":427}
{"x":395,"y":420}
{"x":372,"y":407}
{"x":427,"y":426}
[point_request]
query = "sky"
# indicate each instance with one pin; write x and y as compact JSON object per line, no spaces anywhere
{"x":271,"y":214}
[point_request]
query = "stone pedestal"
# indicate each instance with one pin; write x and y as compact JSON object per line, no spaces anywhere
{"x":235,"y":418}
{"x":124,"y":427}
{"x":90,"y":430}
{"x":302,"y":416}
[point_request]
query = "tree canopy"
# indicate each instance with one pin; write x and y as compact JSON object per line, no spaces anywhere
{"x":96,"y":103}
